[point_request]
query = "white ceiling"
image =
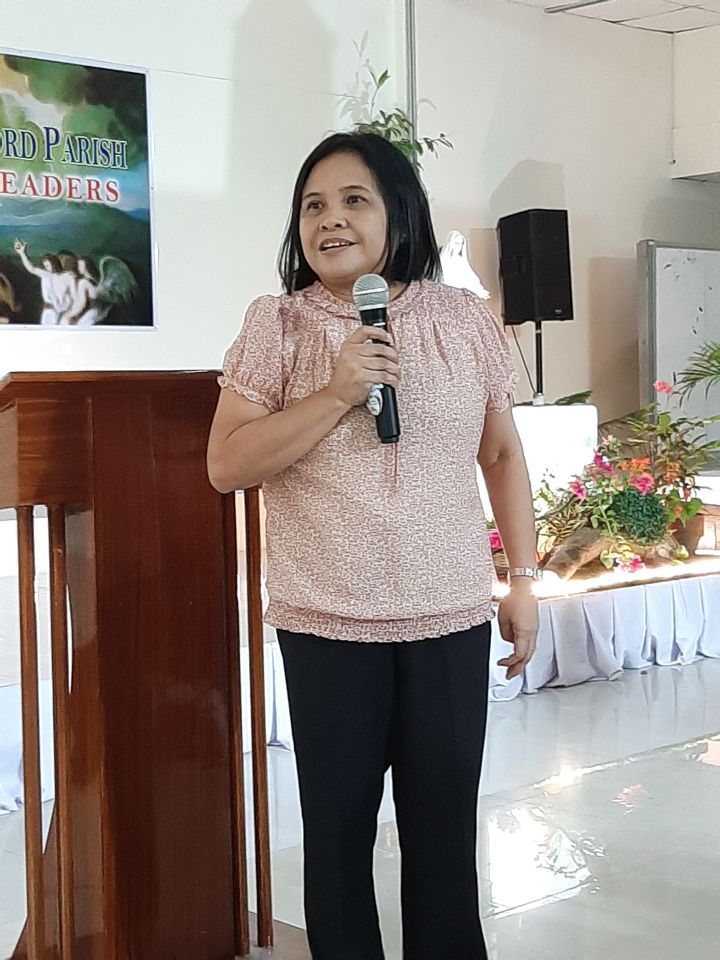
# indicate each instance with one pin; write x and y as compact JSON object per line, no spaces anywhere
{"x":666,"y":16}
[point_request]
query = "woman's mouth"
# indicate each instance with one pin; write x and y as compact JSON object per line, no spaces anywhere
{"x":328,"y":246}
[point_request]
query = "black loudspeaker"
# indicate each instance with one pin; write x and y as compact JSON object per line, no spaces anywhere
{"x":535,"y":266}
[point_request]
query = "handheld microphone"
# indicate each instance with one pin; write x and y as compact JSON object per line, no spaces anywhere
{"x":371,"y":296}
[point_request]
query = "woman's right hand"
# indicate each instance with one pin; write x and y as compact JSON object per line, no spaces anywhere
{"x":19,"y":246}
{"x":362,"y":364}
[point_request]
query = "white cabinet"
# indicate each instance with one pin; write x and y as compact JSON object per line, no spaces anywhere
{"x":696,"y":104}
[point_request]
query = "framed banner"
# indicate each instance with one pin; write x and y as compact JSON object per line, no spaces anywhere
{"x":75,"y":210}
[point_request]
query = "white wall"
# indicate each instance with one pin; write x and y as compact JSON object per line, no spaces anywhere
{"x":240,"y":91}
{"x":568,"y":112}
{"x":543,"y":110}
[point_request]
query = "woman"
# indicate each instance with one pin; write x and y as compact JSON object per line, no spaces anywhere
{"x":379,"y":569}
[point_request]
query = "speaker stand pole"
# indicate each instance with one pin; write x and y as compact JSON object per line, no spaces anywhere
{"x":538,"y":397}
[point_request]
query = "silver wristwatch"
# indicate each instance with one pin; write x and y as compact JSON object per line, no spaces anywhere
{"x":532,"y":573}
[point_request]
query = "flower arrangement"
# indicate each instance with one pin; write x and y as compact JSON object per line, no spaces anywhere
{"x":633,"y":495}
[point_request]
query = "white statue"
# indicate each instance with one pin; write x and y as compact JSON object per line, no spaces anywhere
{"x":456,"y":268}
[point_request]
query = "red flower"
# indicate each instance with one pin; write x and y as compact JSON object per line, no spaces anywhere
{"x":662,"y":386}
{"x":644,"y":483}
{"x":495,"y":541}
{"x":579,"y":489}
{"x":603,"y":464}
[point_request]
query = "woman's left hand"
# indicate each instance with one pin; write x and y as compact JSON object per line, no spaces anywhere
{"x":518,"y":620}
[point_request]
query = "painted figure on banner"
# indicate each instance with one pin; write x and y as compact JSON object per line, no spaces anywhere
{"x":98,"y":291}
{"x":55,"y":284}
{"x":76,"y":183}
{"x":8,"y":303}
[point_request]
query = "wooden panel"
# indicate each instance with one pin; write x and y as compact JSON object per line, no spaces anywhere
{"x":45,"y":456}
{"x":53,"y":452}
{"x":93,"y":864}
{"x":164,"y":676}
{"x":8,"y":458}
{"x":149,"y":753}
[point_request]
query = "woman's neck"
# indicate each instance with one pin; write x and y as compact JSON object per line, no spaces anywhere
{"x":346,"y":294}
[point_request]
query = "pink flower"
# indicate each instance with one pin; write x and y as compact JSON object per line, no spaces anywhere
{"x":662,"y":386}
{"x":579,"y":489}
{"x":632,"y":564}
{"x":603,"y":464}
{"x":495,"y":540}
{"x":644,"y":483}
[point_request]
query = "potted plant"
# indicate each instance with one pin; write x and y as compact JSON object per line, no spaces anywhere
{"x":638,"y":498}
{"x":361,"y":105}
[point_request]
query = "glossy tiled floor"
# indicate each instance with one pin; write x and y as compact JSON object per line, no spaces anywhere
{"x":599,"y":826}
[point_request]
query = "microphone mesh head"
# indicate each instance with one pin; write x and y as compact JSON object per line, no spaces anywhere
{"x":370,"y":291}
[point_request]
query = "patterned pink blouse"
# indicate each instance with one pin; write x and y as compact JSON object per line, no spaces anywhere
{"x":366,"y":541}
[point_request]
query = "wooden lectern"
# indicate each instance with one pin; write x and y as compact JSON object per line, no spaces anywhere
{"x":146,"y":854}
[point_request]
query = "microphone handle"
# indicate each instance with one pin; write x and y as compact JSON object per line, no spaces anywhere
{"x":387,"y":421}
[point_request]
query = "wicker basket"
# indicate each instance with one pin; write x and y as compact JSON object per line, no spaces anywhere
{"x":501,"y":565}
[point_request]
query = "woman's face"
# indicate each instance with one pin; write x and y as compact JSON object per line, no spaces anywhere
{"x":48,"y":266}
{"x":343,"y":223}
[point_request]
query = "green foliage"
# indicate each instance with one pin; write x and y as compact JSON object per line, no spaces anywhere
{"x":675,"y":446}
{"x":558,"y":514}
{"x":574,"y":398}
{"x":393,"y":125}
{"x":642,"y":519}
{"x":704,"y":369}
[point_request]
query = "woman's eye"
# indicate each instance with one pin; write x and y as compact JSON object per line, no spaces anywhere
{"x":354,"y":198}
{"x":312,"y":205}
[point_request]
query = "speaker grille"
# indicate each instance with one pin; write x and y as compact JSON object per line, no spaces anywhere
{"x":535,"y":266}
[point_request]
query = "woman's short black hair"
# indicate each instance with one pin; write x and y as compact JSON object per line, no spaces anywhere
{"x":411,"y":244}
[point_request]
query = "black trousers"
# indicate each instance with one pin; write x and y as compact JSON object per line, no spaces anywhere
{"x":420,"y":708}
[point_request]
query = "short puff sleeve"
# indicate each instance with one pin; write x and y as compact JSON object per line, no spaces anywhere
{"x":501,"y":376}
{"x":253,"y":363}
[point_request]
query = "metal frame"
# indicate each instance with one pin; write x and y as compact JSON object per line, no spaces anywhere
{"x":647,"y":307}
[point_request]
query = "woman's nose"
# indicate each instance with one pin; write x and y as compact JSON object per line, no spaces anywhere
{"x":333,"y":221}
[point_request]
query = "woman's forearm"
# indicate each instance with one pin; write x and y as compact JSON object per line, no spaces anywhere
{"x":262,"y":448}
{"x":508,"y":487}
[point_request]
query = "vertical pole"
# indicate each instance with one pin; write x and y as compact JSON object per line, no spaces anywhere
{"x":31,"y":737}
{"x":411,"y":64}
{"x":259,"y":734}
{"x":61,"y":726}
{"x":539,"y":382}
